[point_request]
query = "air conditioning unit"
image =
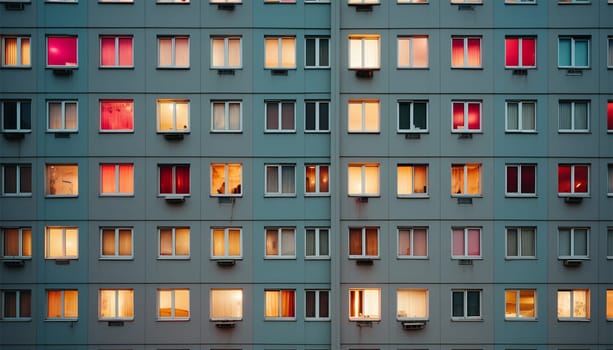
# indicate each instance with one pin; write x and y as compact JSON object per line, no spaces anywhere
{"x":413,"y":325}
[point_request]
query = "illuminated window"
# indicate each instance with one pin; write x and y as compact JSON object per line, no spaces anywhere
{"x":363,"y":179}
{"x":116,"y":179}
{"x":173,"y":52}
{"x":574,"y":116}
{"x":364,"y":304}
{"x":610,"y":49}
{"x":16,"y":305}
{"x":280,"y":304}
{"x":317,"y":243}
{"x":520,"y":180}
{"x":16,"y":51}
{"x":609,"y":304}
{"x":280,"y":180}
{"x":280,"y":116}
{"x":574,"y":52}
{"x":62,"y":51}
{"x":609,"y":113}
{"x":280,"y":52}
{"x":317,"y":52}
{"x":16,"y":243}
{"x":16,"y":116}
{"x":573,"y":243}
{"x":62,"y":304}
{"x":174,"y":179}
{"x":173,"y":304}
{"x":226,"y":179}
{"x":465,"y":305}
{"x":116,"y":243}
{"x":116,"y":52}
{"x":61,"y":243}
{"x":226,"y":243}
{"x":412,"y":116}
{"x":281,"y":242}
{"x":16,"y":180}
{"x":116,"y":304}
{"x":116,"y":115}
{"x":573,"y":179}
{"x":226,"y":52}
{"x":574,"y":305}
{"x":227,"y":116}
{"x":173,"y":116}
{"x":466,"y":116}
{"x":520,"y":116}
{"x":317,"y":114}
{"x":413,"y":51}
{"x":466,"y":243}
{"x":363,"y":116}
{"x":226,"y":304}
{"x":466,"y":180}
{"x":174,"y":243}
{"x":412,"y":304}
{"x":520,"y":52}
{"x":317,"y":305}
{"x":520,"y":304}
{"x":61,"y":180}
{"x":520,"y":242}
{"x":466,"y":52}
{"x":364,"y":51}
{"x":62,"y":116}
{"x":363,"y":242}
{"x":413,"y":242}
{"x":412,"y":180}
{"x":317,"y":179}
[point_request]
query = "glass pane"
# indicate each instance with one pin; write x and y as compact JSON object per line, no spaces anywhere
{"x":165,"y":54}
{"x":371,"y":185}
{"x":310,"y":303}
{"x":182,"y":241}
{"x":272,"y":53}
{"x":323,"y":116}
{"x":272,"y":242}
{"x":218,"y":54}
{"x":564,"y":242}
{"x":512,"y":244}
{"x":310,"y":242}
{"x":404,"y":58}
{"x":310,"y":52}
{"x":420,"y":242}
{"x":288,"y":243}
{"x":182,"y":52}
{"x":405,"y":179}
{"x":404,"y":116}
{"x":310,"y":121}
{"x":528,"y":242}
{"x":235,"y":116}
{"x":512,"y":52}
{"x":420,"y":52}
{"x":125,"y":242}
{"x":528,"y":114}
{"x":182,"y":115}
{"x":420,"y":115}
{"x":288,"y":52}
{"x":323,"y":242}
{"x":581,"y":53}
{"x":234,"y":242}
{"x":272,"y":116}
{"x":371,"y":116}
{"x":581,"y":116}
{"x":287,"y":112}
{"x":324,"y":55}
{"x":474,"y":303}
{"x":55,"y":115}
{"x":107,"y":51}
{"x":457,"y":307}
{"x":108,"y":242}
{"x":564,"y":53}
{"x":71,"y":115}
{"x":234,"y":52}
{"x":581,"y":242}
{"x":125,"y":52}
{"x":512,"y":116}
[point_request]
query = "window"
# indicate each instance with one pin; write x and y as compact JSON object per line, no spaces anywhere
{"x":280,"y":116}
{"x":412,"y":180}
{"x":363,"y":242}
{"x":412,"y":242}
{"x":466,"y":52}
{"x":174,"y":243}
{"x":226,"y":304}
{"x":280,"y":304}
{"x":16,"y":116}
{"x":317,"y":52}
{"x":610,"y":243}
{"x":172,"y":1}
{"x":62,"y":304}
{"x":412,"y":304}
{"x":610,"y":50}
{"x":226,"y":179}
{"x":413,"y":51}
{"x":174,"y":179}
{"x":226,"y":52}
{"x":226,"y":243}
{"x":281,"y":242}
{"x":412,"y":116}
{"x":62,"y":116}
{"x":364,"y":304}
{"x":465,"y":180}
{"x":573,"y":52}
{"x":363,"y":179}
{"x":610,"y":178}
{"x":466,"y":243}
{"x":16,"y":305}
{"x":466,"y":1}
{"x":280,"y":52}
{"x":317,"y":179}
{"x":227,"y":116}
{"x":609,"y":116}
{"x":364,"y":51}
{"x":574,"y":305}
{"x":16,"y":180}
{"x":317,"y":305}
{"x":317,"y":243}
{"x":520,"y":116}
{"x":609,"y":304}
{"x":116,"y":243}
{"x":317,"y":116}
{"x":466,"y":116}
{"x":61,"y":180}
{"x":573,"y":179}
{"x":520,"y":52}
{"x":61,"y":243}
{"x":173,"y":52}
{"x":16,"y":51}
{"x":465,"y":305}
{"x":173,"y":304}
{"x":116,"y":304}
{"x":62,"y":51}
{"x":116,"y":179}
{"x":573,"y":243}
{"x":16,"y":243}
{"x":520,"y":180}
{"x":173,"y":116}
{"x":521,"y":242}
{"x":520,"y":304}
{"x":280,"y":180}
{"x":116,"y":52}
{"x":116,"y":115}
{"x":574,"y":116}
{"x":363,"y":116}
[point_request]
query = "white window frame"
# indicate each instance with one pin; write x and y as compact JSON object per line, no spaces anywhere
{"x":48,"y":193}
{"x":172,"y":317}
{"x":226,"y":1}
{"x":317,"y":180}
{"x":362,"y":103}
{"x":279,"y":61}
{"x":466,"y":129}
{"x":362,"y":38}
{"x":572,"y":304}
{"x":411,"y":231}
{"x":317,"y":49}
{"x":572,"y":193}
{"x":358,"y":318}
{"x":63,"y":104}
{"x":465,"y":186}
{"x":317,"y":293}
{"x":102,"y":103}
{"x":573,"y":127}
{"x":117,"y":193}
{"x":280,"y":168}
{"x":520,"y":238}
{"x":318,"y":127}
{"x":227,"y":192}
{"x":363,"y":180}
{"x":116,"y":1}
{"x":519,"y":193}
{"x":573,"y":41}
{"x":465,"y":256}
{"x":226,"y":51}
{"x":226,"y":243}
{"x":117,"y":65}
{"x":64,"y":255}
{"x":427,"y":295}
{"x":364,"y":253}
{"x":414,"y":194}
{"x":317,"y":232}
{"x":116,"y":302}
{"x":520,"y":63}
{"x":18,"y":296}
{"x":62,"y":317}
{"x":573,"y":2}
{"x":465,"y":316}
{"x":572,"y":252}
{"x":518,"y":316}
{"x":173,"y":103}
{"x":116,"y":255}
{"x":19,"y":114}
{"x":279,"y":104}
{"x":520,"y":116}
{"x":20,"y":234}
{"x":173,"y":51}
{"x":173,"y":255}
{"x":413,"y":129}
{"x":519,"y":2}
{"x":465,"y":49}
{"x":174,"y":180}
{"x":19,"y":54}
{"x":469,"y":2}
{"x":280,"y":306}
{"x":411,"y":53}
{"x":18,"y":176}
{"x":183,"y":2}
{"x":280,"y":253}
{"x":227,"y":104}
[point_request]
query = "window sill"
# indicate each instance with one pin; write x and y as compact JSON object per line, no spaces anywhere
{"x":466,"y":196}
{"x":412,"y":258}
{"x":59,"y":196}
{"x":424,"y":196}
{"x":280,"y":319}
{"x":574,"y":3}
{"x":519,"y":196}
{"x":530,"y":132}
{"x":61,"y":320}
{"x":279,"y":195}
{"x":173,"y":68}
{"x":328,"y":131}
{"x":516,"y":258}
{"x":116,"y":67}
{"x":317,"y":258}
{"x":358,"y":195}
{"x":280,"y":68}
{"x":279,"y":131}
{"x":28,"y":319}
{"x":226,"y":131}
{"x":293,"y":257}
{"x":572,"y":320}
{"x":582,"y":258}
{"x":116,"y":195}
{"x":226,"y":68}
{"x":228,"y":196}
{"x":316,"y":194}
{"x":378,"y":132}
{"x":178,"y":258}
{"x":224,"y":258}
{"x":466,"y":68}
{"x":61,"y":132}
{"x":519,"y":3}
{"x":520,"y":68}
{"x":10,"y":195}
{"x":317,"y":67}
{"x":116,"y":131}
{"x":520,"y":319}
{"x":364,"y":257}
{"x":413,"y":68}
{"x":16,"y":67}
{"x":312,"y":319}
{"x":573,"y":195}
{"x":186,"y":319}
{"x":115,"y":258}
{"x":457,"y":258}
{"x":461,"y":319}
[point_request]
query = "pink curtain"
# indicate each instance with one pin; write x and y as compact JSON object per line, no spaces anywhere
{"x":528,"y":52}
{"x":458,"y":242}
{"x":528,"y":177}
{"x":166,"y":179}
{"x":125,"y":52}
{"x":457,"y":52}
{"x":182,"y":177}
{"x":564,"y":179}
{"x":474,"y":52}
{"x":512,"y":52}
{"x":420,"y":242}
{"x":117,"y":115}
{"x":62,"y":51}
{"x":610,"y":116}
{"x":474,"y":242}
{"x":107,"y":52}
{"x":458,"y":116}
{"x":474,"y":116}
{"x":512,"y":185}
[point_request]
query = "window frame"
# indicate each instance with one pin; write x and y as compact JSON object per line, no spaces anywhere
{"x":610,"y":49}
{"x":520,"y":193}
{"x":280,"y":254}
{"x":24,"y":245}
{"x":465,"y":39}
{"x":465,"y":186}
{"x":363,"y":180}
{"x":466,"y":249}
{"x":411,"y":53}
{"x":20,"y":116}
{"x":226,"y":192}
{"x":226,"y":243}
{"x":317,"y":305}
{"x":573,"y":182}
{"x":572,"y":254}
{"x":412,"y":192}
{"x":364,"y":118}
{"x":227,"y":116}
{"x":520,"y":239}
{"x":318,"y":180}
{"x":317,"y":52}
{"x":520,"y":117}
{"x":610,"y":180}
{"x":48,"y":193}
{"x":225,"y":318}
{"x":411,"y":232}
{"x":279,"y":104}
{"x":174,"y":103}
{"x":573,"y":42}
{"x":20,"y":176}
{"x":173,"y":167}
{"x":115,"y":300}
{"x":280,"y":317}
{"x":362,"y":38}
{"x":226,"y":52}
{"x":63,"y":111}
{"x":20,"y":315}
{"x":173,"y":232}
{"x":518,"y":316}
{"x":317,"y":232}
{"x":427,"y":305}
{"x":76,"y":49}
{"x":465,"y":129}
{"x":62,"y":306}
{"x":117,"y":251}
{"x":19,"y":54}
{"x":110,"y":102}
{"x":465,"y":316}
{"x":610,"y":243}
{"x":364,"y":243}
{"x":572,"y":305}
{"x":173,"y":52}
{"x":413,"y":129}
{"x":358,"y":318}
{"x":609,"y":304}
{"x":279,"y":56}
{"x":317,"y":108}
{"x":117,"y":49}
{"x":573,"y":112}
{"x":65,"y":255}
{"x":520,"y":63}
{"x":280,"y":169}
{"x":118,"y":182}
{"x":610,"y":114}
{"x":173,"y":307}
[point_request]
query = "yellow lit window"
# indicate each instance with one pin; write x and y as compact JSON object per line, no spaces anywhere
{"x":226,"y":304}
{"x":413,"y":51}
{"x":116,"y":304}
{"x":16,"y":51}
{"x":226,"y":52}
{"x":61,"y":242}
{"x":174,"y":243}
{"x":363,"y":179}
{"x":62,"y":180}
{"x":116,"y":179}
{"x":465,"y":179}
{"x":16,"y":243}
{"x":280,"y":52}
{"x":62,"y":304}
{"x":573,"y":304}
{"x":609,"y":304}
{"x":226,"y":243}
{"x":173,"y":304}
{"x":412,"y":304}
{"x":173,"y":116}
{"x":363,"y":116}
{"x":365,"y":304}
{"x":280,"y":304}
{"x":412,"y":180}
{"x":364,"y":52}
{"x":520,"y":304}
{"x":226,"y":179}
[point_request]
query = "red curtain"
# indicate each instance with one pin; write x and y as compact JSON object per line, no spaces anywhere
{"x":512,"y":179}
{"x":182,"y":177}
{"x":610,"y":116}
{"x":528,"y":52}
{"x":457,"y":52}
{"x":474,"y":116}
{"x":528,"y":178}
{"x":107,"y":52}
{"x":288,"y":303}
{"x":564,"y":179}
{"x":125,"y":52}
{"x":166,"y":179}
{"x":458,"y":116}
{"x":512,"y":52}
{"x":474,"y":52}
{"x":581,"y":178}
